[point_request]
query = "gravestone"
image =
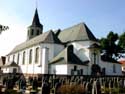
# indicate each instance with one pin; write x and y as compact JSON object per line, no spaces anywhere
{"x":9,"y":84}
{"x":45,"y":87}
{"x":57,"y":86}
{"x":98,"y":87}
{"x":88,"y":88}
{"x":94,"y":88}
{"x":35,"y":83}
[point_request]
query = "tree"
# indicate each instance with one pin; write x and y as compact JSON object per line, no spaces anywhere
{"x":109,"y":45}
{"x":121,"y":42}
{"x":3,"y":28}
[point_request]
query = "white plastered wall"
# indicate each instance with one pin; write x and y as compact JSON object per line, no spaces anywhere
{"x":109,"y":68}
{"x":34,"y":68}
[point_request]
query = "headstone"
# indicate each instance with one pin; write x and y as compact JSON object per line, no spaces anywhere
{"x":88,"y":88}
{"x":22,"y":84}
{"x":9,"y":84}
{"x":57,"y":86}
{"x":45,"y":88}
{"x":35,"y":83}
{"x":94,"y":88}
{"x":98,"y":87}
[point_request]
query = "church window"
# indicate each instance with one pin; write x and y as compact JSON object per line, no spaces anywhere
{"x":24,"y":55}
{"x":103,"y":71}
{"x":37,"y":33}
{"x":18,"y":58}
{"x":28,"y":32}
{"x":32,"y":31}
{"x":94,"y":57}
{"x":8,"y":58}
{"x":37,"y":55}
{"x":114,"y":68}
{"x":75,"y":68}
{"x":13,"y":57}
{"x":81,"y":71}
{"x":72,"y":72}
{"x":30,"y":56}
{"x":14,"y":70}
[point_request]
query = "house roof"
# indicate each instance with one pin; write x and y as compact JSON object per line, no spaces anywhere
{"x":66,"y":57}
{"x":79,"y":32}
{"x":47,"y":37}
{"x":122,"y":62}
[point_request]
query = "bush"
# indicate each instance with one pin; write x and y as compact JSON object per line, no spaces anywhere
{"x":112,"y":90}
{"x":10,"y":91}
{"x":71,"y":89}
{"x":122,"y":90}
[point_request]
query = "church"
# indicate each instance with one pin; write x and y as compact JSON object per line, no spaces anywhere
{"x":72,"y":51}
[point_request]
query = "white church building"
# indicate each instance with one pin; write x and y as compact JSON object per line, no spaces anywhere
{"x":72,"y":51}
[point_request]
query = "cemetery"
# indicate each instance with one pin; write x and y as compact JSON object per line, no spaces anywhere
{"x":62,"y":84}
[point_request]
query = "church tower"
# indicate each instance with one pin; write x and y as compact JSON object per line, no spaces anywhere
{"x":36,"y":28}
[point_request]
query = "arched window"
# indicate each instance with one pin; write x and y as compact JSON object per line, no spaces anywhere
{"x":18,"y":58}
{"x":30,"y":56}
{"x":8,"y":58}
{"x":37,"y":55}
{"x":32,"y":31}
{"x":94,"y":57}
{"x":28,"y":32}
{"x":13,"y":57}
{"x":37,"y":33}
{"x":24,"y":55}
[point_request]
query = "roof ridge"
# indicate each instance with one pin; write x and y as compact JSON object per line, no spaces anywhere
{"x":73,"y":26}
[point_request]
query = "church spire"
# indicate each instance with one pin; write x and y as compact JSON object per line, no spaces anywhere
{"x":36,"y":28}
{"x":36,"y":21}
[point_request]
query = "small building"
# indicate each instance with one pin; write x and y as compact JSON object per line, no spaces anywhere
{"x":122,"y":61}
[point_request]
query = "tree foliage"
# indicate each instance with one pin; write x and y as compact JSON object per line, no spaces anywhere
{"x":121,"y":42}
{"x":3,"y":28}
{"x":109,"y":45}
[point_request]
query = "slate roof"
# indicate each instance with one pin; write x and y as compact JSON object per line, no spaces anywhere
{"x":36,"y":22}
{"x":79,"y":32}
{"x":65,"y":57}
{"x":47,"y":37}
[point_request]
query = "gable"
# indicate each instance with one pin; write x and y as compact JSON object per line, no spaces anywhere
{"x":67,"y":56}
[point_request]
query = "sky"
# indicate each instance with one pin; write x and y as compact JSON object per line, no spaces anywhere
{"x":101,"y":16}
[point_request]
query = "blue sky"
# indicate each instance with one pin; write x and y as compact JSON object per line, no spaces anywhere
{"x":101,"y":16}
